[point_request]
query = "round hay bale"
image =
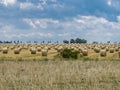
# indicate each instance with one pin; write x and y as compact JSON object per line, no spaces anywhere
{"x":102,"y":47}
{"x":46,"y":48}
{"x":5,"y":50}
{"x":111,"y":50}
{"x":72,"y":48}
{"x":59,"y":49}
{"x":33,"y":50}
{"x":103,"y":53}
{"x":107,"y":48}
{"x":16,"y":51}
{"x":116,"y":49}
{"x":38,"y":49}
{"x":97,"y":49}
{"x":12,"y":47}
{"x":81,"y":49}
{"x":84,"y":52}
{"x":44,"y":52}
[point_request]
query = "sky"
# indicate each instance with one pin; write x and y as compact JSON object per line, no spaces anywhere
{"x":56,"y":20}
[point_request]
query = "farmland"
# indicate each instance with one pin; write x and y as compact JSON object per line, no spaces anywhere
{"x":36,"y":51}
{"x":60,"y":75}
{"x":41,"y":67}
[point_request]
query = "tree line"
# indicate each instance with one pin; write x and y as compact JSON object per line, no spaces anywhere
{"x":77,"y":40}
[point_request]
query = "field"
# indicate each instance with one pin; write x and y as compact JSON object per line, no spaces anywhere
{"x":52,"y":50}
{"x":60,"y":75}
{"x":40,"y":71}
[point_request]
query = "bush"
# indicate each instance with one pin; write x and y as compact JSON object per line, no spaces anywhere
{"x":68,"y":53}
{"x":74,"y":54}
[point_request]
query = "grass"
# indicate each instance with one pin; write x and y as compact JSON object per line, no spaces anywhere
{"x":60,"y":75}
{"x":26,"y":71}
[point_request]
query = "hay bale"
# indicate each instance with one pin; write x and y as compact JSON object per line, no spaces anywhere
{"x":97,"y":49}
{"x":103,"y":53}
{"x":72,"y":48}
{"x":17,"y":51}
{"x":46,"y":48}
{"x":12,"y":47}
{"x":84,"y":52}
{"x":59,"y":49}
{"x":5,"y":50}
{"x":38,"y":49}
{"x":102,"y":47}
{"x":81,"y":49}
{"x":44,"y":52}
{"x":25,"y":47}
{"x":107,"y":48}
{"x":116,"y":49}
{"x":33,"y":50}
{"x":111,"y":50}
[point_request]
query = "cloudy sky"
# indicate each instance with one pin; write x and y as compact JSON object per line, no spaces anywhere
{"x":94,"y":20}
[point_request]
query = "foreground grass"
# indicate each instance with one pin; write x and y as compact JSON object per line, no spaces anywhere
{"x":60,"y":75}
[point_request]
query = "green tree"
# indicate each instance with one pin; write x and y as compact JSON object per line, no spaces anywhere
{"x":66,"y":41}
{"x":72,"y":41}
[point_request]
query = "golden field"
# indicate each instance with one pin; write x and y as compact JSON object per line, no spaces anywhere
{"x":53,"y":50}
{"x":60,"y":75}
{"x":37,"y":71}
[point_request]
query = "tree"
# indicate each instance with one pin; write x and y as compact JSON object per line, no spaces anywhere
{"x":66,"y":41}
{"x":35,"y":42}
{"x":108,"y":42}
{"x":43,"y":41}
{"x":1,"y":42}
{"x":18,"y":41}
{"x":72,"y":41}
{"x":78,"y":40}
{"x":95,"y":42}
{"x":48,"y":41}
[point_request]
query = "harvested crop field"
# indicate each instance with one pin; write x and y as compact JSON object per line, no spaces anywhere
{"x":60,"y":75}
{"x":50,"y":51}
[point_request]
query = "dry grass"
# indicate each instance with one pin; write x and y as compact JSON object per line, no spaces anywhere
{"x":60,"y":75}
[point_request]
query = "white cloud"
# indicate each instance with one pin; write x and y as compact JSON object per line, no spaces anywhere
{"x":91,"y":28}
{"x":118,"y":18}
{"x":28,"y":35}
{"x":29,"y":22}
{"x":114,"y":3}
{"x":9,"y":32}
{"x":26,"y":5}
{"x":63,"y":34}
{"x":109,"y":2}
{"x":29,"y":5}
{"x":41,"y":5}
{"x":40,"y":23}
{"x":8,"y":2}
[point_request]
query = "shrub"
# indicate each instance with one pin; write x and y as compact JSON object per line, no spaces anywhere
{"x":74,"y":54}
{"x":68,"y":53}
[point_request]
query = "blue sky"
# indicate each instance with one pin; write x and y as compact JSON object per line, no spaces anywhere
{"x":94,"y":20}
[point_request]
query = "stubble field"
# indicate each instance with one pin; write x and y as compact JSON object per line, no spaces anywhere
{"x":28,"y":71}
{"x":60,"y":75}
